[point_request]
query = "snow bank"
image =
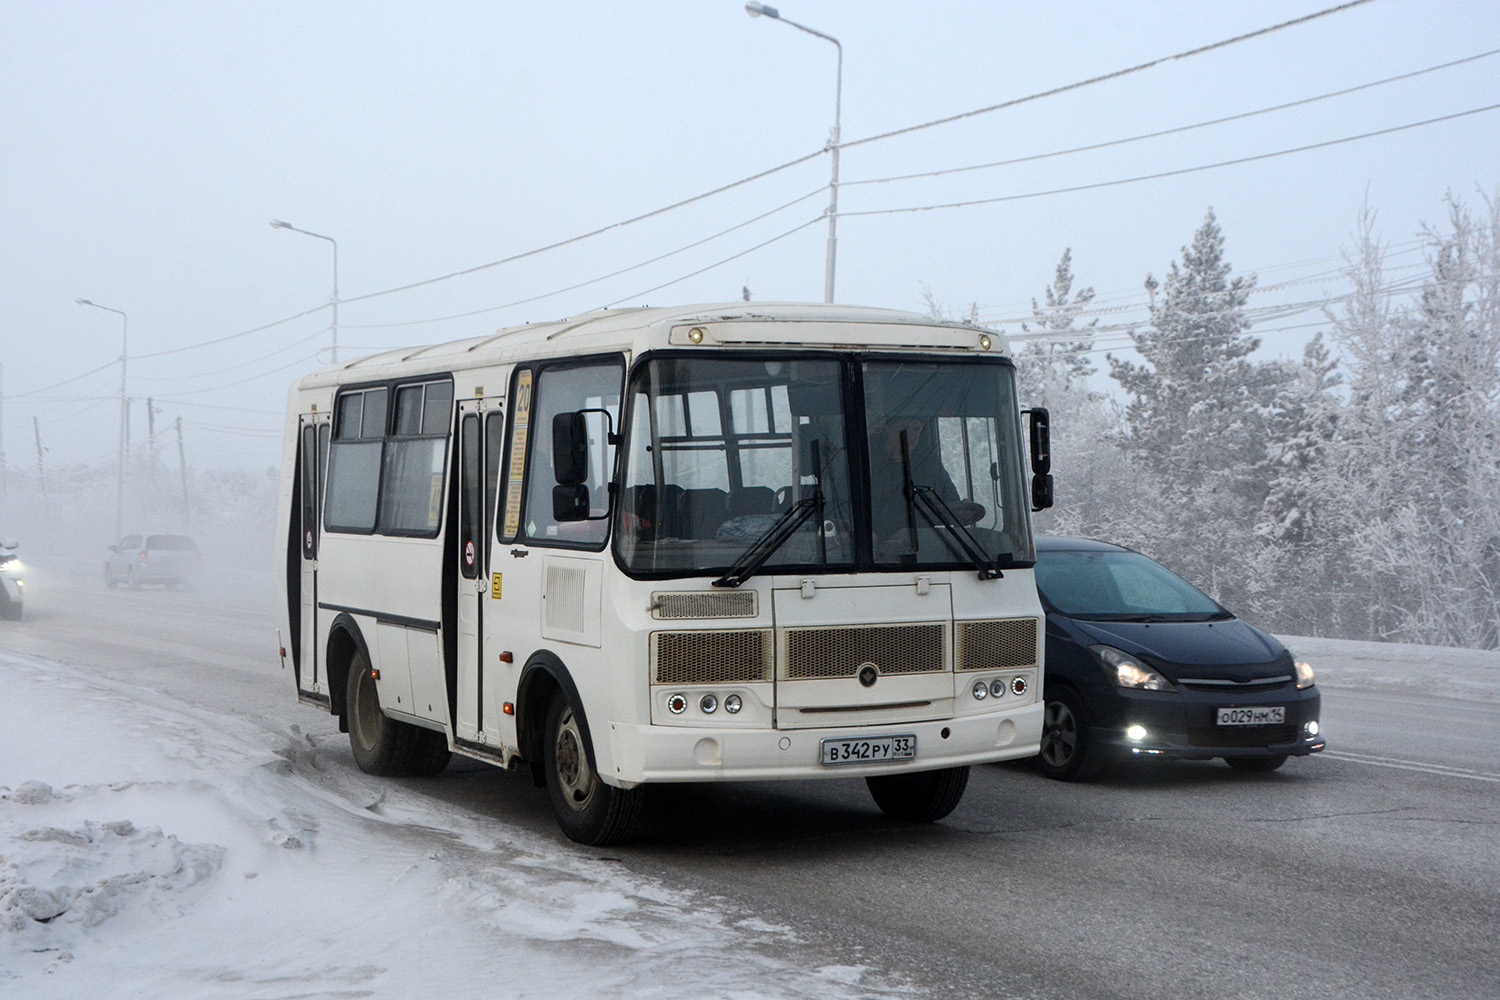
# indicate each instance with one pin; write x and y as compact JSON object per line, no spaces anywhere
{"x":1437,"y":671}
{"x":152,"y":848}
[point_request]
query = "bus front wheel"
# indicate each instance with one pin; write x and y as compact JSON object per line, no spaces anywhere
{"x":383,"y":745}
{"x":588,"y":810}
{"x":920,"y":797}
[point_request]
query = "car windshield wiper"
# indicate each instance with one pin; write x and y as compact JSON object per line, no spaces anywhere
{"x":774,"y":538}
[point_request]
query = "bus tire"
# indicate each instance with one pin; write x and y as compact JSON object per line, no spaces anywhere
{"x":588,"y":810}
{"x":919,"y":797}
{"x":383,"y":745}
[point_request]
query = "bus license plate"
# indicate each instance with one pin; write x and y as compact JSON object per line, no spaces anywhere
{"x":1268,"y":715}
{"x":869,"y":750}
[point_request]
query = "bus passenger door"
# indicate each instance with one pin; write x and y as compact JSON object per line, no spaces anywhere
{"x":314,"y":429}
{"x":479,"y":437}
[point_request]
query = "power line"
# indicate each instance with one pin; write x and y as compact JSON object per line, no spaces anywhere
{"x":597,"y":232}
{"x":1170,"y":131}
{"x":593,"y":281}
{"x":1107,"y":76}
{"x":710,"y":267}
{"x":1173,"y":173}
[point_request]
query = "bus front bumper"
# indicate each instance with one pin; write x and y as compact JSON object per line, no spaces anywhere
{"x":669,"y":753}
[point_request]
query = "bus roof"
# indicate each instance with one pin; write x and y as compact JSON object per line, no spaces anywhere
{"x":758,"y":324}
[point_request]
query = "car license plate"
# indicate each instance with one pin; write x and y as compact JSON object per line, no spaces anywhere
{"x":1265,"y":715}
{"x":869,"y":750}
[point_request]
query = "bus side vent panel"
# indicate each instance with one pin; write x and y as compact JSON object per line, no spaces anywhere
{"x":739,"y":604}
{"x":988,"y":645}
{"x":729,"y":657}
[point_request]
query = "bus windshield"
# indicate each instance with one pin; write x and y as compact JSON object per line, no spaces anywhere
{"x":725,"y":454}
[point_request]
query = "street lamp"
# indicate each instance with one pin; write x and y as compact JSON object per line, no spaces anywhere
{"x":124,"y":413}
{"x":278,"y":224}
{"x":756,"y":9}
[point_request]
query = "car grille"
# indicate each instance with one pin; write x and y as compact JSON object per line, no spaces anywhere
{"x":1240,"y":736}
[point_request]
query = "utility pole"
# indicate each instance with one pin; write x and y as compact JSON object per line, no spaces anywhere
{"x":182,"y":464}
{"x":124,"y":411}
{"x":151,"y":440}
{"x":41,"y":471}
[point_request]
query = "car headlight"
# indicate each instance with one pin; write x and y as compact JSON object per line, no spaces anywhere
{"x":1304,"y":674}
{"x":1129,"y":672}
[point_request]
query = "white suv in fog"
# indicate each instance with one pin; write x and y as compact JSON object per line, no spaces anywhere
{"x":144,"y":557}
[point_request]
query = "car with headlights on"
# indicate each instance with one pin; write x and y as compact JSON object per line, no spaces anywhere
{"x":1140,"y":663}
{"x":12,"y":587}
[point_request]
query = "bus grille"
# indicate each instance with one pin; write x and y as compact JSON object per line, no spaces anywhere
{"x":737,"y":657}
{"x":817,"y":653}
{"x":739,"y":604}
{"x":990,"y":645}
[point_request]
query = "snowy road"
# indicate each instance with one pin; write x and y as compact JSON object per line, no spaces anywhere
{"x":203,"y":835}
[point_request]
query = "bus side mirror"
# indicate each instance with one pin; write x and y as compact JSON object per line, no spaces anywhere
{"x":570,"y":502}
{"x":1041,"y":492}
{"x":1041,"y":440}
{"x":1041,"y":457}
{"x":570,"y":449}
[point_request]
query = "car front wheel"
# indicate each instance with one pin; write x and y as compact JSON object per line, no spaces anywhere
{"x":1066,"y":754}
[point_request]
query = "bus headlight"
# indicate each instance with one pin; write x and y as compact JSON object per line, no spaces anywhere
{"x":733,"y":704}
{"x":980,"y":691}
{"x":708,"y":703}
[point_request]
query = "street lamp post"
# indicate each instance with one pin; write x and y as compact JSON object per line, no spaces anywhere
{"x":124,"y":413}
{"x":278,"y":224}
{"x":756,"y":9}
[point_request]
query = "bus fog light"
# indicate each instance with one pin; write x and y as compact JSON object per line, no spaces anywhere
{"x":708,"y":703}
{"x":676,"y":704}
{"x":1018,"y":685}
{"x":733,"y":704}
{"x":1136,"y":733}
{"x":997,"y":688}
{"x":981,"y":691}
{"x":1311,"y":727}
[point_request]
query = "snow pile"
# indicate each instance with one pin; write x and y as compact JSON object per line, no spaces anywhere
{"x":152,"y":848}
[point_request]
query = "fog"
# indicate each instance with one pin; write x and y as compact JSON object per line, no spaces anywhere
{"x":149,"y":146}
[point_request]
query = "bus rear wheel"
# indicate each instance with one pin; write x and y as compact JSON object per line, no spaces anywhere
{"x":383,"y":745}
{"x":921,"y":797}
{"x":588,"y":810}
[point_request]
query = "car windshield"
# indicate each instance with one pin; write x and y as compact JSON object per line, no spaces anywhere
{"x":1119,"y":586}
{"x":743,"y":463}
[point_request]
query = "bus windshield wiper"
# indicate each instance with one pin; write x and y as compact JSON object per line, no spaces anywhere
{"x":937,"y":513}
{"x":753,"y":558}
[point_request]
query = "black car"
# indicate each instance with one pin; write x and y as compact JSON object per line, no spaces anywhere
{"x":1142,"y":663}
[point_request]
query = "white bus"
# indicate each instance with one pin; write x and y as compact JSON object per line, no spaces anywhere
{"x":714,"y":543}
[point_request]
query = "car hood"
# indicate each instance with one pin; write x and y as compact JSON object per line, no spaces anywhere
{"x":1229,"y":649}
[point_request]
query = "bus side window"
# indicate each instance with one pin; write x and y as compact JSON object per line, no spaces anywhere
{"x":494,"y":428}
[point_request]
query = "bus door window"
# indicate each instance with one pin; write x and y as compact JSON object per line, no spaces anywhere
{"x":470,"y":496}
{"x":594,"y":388}
{"x":494,"y":428}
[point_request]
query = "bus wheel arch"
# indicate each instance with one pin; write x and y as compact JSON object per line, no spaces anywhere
{"x":543,"y":676}
{"x":345,"y":641}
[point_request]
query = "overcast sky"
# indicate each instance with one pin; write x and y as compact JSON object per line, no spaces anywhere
{"x":147,"y":145}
